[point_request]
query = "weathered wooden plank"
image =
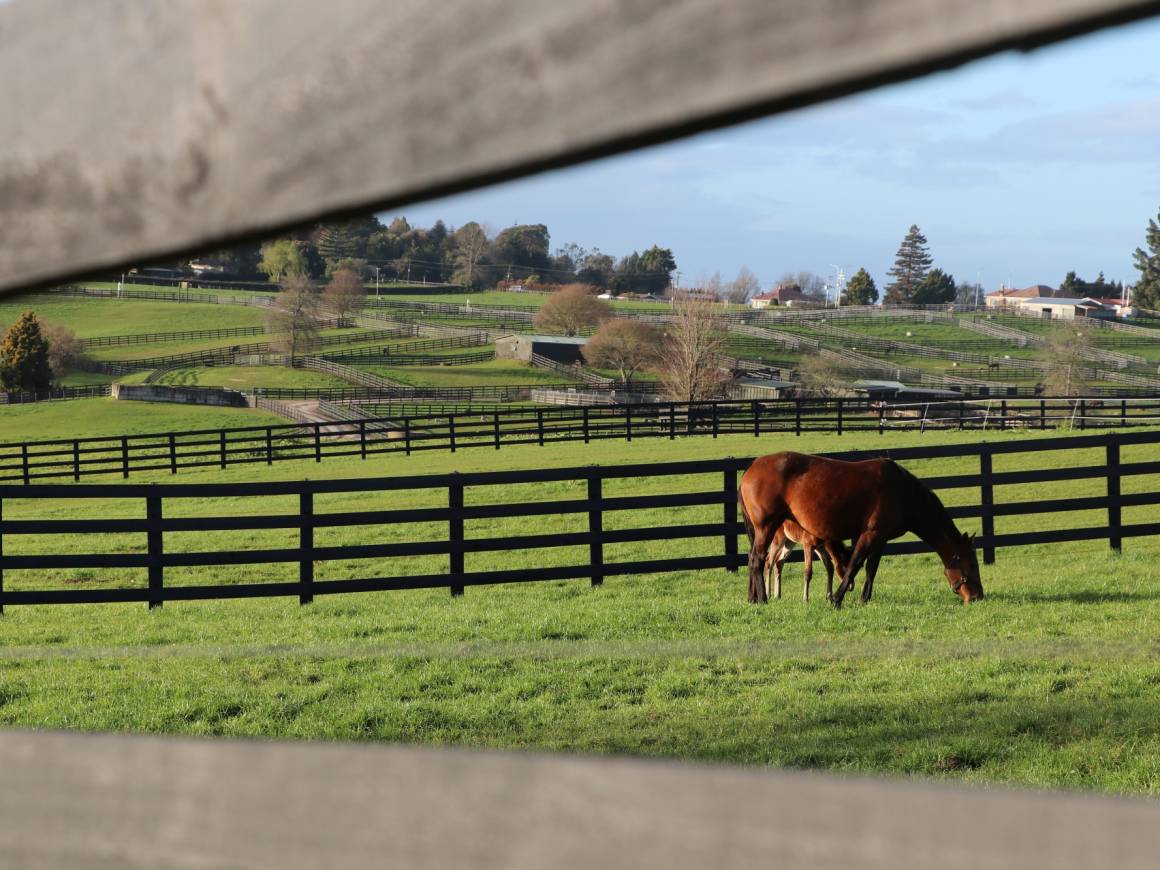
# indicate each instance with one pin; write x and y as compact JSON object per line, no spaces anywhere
{"x":131,"y":130}
{"x":115,"y":801}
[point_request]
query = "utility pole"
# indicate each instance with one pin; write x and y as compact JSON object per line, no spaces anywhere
{"x":376,"y":282}
{"x":977,"y":287}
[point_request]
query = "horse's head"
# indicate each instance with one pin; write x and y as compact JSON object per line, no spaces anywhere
{"x":962,"y":568}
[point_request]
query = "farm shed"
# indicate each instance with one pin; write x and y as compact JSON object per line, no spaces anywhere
{"x":762,"y":388}
{"x":1065,"y":309}
{"x":898,"y":391}
{"x":560,"y":348}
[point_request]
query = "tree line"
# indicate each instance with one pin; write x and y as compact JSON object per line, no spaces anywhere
{"x":470,"y":256}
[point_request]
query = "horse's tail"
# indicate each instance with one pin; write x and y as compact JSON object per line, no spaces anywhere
{"x":745,"y":518}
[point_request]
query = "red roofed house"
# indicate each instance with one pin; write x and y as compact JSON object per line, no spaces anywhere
{"x":779,"y":296}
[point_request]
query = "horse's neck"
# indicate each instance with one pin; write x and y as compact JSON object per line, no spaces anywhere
{"x":935,"y":529}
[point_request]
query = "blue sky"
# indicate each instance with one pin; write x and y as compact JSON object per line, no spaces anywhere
{"x":1019,"y":167}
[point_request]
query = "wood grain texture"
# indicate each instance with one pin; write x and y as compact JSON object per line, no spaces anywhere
{"x":131,"y":130}
{"x":99,"y":801}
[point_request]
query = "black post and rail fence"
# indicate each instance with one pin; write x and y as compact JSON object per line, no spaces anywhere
{"x":675,"y":516}
{"x":376,"y":436}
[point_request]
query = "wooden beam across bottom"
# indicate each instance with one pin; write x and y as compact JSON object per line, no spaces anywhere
{"x":134,"y":130}
{"x":104,"y":801}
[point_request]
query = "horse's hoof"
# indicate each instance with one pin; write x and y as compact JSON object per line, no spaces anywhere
{"x":837,"y":602}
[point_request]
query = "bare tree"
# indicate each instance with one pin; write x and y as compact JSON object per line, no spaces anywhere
{"x":624,"y":344}
{"x":292,"y":318}
{"x":743,"y":287}
{"x":819,"y":375}
{"x":344,"y":295}
{"x":65,"y":350}
{"x":1063,"y":361}
{"x":572,"y":309}
{"x":690,"y":356}
{"x":470,"y":244}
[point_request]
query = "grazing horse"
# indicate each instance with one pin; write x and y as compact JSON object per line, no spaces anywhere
{"x":869,"y":502}
{"x":789,"y":534}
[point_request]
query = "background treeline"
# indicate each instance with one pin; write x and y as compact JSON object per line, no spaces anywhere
{"x":470,"y":255}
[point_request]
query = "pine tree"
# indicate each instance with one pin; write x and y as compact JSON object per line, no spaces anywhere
{"x":860,"y":289}
{"x":1147,"y":291}
{"x":24,"y":364}
{"x":936,"y":288}
{"x":910,"y":267}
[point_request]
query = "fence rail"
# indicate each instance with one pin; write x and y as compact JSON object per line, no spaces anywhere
{"x":33,"y":461}
{"x":307,"y":554}
{"x":90,"y":391}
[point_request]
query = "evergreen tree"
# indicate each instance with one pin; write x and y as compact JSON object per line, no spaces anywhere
{"x":1072,"y":286}
{"x":936,"y":288}
{"x":910,"y":267}
{"x":24,"y":362}
{"x":337,"y":241}
{"x":860,"y":289}
{"x":1147,"y":291}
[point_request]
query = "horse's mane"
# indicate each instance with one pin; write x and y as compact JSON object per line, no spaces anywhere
{"x":926,"y":501}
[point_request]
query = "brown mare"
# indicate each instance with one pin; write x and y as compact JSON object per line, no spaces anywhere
{"x":787,"y":535}
{"x":868,"y":502}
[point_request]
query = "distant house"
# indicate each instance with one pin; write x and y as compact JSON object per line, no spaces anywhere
{"x":1056,"y":308}
{"x":561,"y":348}
{"x":779,"y":296}
{"x":1005,"y":297}
{"x":761,"y":388}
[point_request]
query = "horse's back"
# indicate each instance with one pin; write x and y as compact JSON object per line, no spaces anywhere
{"x":832,"y":498}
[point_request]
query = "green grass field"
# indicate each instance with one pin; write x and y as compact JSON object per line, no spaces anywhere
{"x":82,"y":418}
{"x":1051,"y":681}
{"x":498,"y":372}
{"x":244,"y":378}
{"x":99,"y":317}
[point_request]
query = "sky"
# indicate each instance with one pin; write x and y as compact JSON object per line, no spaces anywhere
{"x":1017,"y":169}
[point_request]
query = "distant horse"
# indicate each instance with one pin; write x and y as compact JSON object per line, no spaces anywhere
{"x":789,"y":534}
{"x":868,"y":502}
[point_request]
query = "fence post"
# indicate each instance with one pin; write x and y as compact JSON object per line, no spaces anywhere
{"x":269,"y":445}
{"x":407,"y":435}
{"x":672,"y":420}
{"x":961,"y":409}
{"x":451,"y":431}
{"x":124,"y":459}
{"x":715,"y":420}
{"x":306,"y":547}
{"x":223,"y":448}
{"x":76,"y":460}
{"x":362,"y":438}
{"x":628,"y":422}
{"x":881,"y":417}
{"x":317,"y":442}
{"x":585,"y":415}
{"x":839,"y":416}
{"x":797,"y":416}
{"x":455,"y":532}
{"x":987,"y":503}
{"x":730,"y":495}
{"x":495,"y":423}
{"x":1114,"y":520}
{"x":1082,"y":413}
{"x":540,"y":426}
{"x":1003,"y":415}
{"x":596,"y":526}
{"x":1123,"y":412}
{"x":1042,"y":414}
{"x":172,"y":453}
{"x":154,"y":544}
{"x":1,"y":557}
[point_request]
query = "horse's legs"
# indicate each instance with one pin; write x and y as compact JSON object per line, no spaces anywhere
{"x":808,"y":572}
{"x":829,"y":564}
{"x":778,"y":550}
{"x":835,"y":549}
{"x":758,"y":553}
{"x":871,"y":572}
{"x":865,"y":543}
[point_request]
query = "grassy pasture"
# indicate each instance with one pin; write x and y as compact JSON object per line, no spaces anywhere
{"x":1051,"y":681}
{"x":243,"y":378}
{"x":84,"y":418}
{"x":497,"y":371}
{"x":100,"y":317}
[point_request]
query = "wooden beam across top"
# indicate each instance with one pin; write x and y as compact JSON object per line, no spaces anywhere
{"x":105,"y":801}
{"x":133,"y":130}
